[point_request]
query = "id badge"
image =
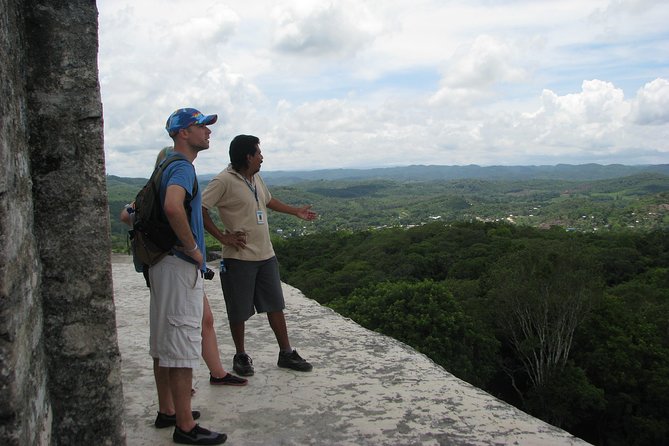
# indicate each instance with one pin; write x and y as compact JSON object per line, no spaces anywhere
{"x":260,"y":218}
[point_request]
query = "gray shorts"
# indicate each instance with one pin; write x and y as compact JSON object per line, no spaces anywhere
{"x":250,"y":286}
{"x":175,"y":313}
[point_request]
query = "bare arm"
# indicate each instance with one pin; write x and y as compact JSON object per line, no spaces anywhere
{"x":304,"y":212}
{"x":176,"y":216}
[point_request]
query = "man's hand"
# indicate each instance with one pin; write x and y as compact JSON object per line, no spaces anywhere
{"x":236,"y":239}
{"x":305,"y":213}
{"x":197,"y":256}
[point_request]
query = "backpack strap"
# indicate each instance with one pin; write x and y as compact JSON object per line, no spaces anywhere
{"x":163,"y":165}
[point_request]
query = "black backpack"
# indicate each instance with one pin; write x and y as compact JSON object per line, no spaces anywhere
{"x":151,"y":236}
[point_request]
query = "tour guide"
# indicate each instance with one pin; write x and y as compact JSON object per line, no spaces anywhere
{"x":249,"y":268}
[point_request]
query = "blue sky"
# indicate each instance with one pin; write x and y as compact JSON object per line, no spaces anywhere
{"x":351,"y":84}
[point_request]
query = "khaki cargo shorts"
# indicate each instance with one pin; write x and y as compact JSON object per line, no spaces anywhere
{"x":175,"y":313}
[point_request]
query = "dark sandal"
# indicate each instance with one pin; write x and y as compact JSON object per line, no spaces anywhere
{"x":228,"y":380}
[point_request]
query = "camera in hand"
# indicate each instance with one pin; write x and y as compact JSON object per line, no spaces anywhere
{"x":209,"y":274}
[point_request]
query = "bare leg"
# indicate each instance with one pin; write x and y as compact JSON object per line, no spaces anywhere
{"x":210,"y":352}
{"x":237,"y":332}
{"x":162,"y":377}
{"x":278,"y":323}
{"x":181,"y":380}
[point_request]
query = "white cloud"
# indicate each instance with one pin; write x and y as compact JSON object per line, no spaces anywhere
{"x":577,"y":123}
{"x":651,"y":106}
{"x":328,"y":29}
{"x":486,"y":61}
{"x":476,"y":67}
{"x":599,"y":102}
{"x":616,"y":8}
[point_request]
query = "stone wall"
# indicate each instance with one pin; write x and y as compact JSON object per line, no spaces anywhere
{"x":59,"y":361}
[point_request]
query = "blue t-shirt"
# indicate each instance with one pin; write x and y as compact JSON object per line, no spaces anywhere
{"x":183,"y":174}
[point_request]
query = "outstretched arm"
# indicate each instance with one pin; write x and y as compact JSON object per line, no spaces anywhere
{"x":304,"y":212}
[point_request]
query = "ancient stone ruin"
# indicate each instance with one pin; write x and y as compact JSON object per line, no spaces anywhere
{"x":60,"y":379}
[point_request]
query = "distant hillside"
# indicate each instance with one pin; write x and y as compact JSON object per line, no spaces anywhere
{"x":123,"y":187}
{"x":569,"y":172}
{"x":579,"y":172}
{"x":638,"y":202}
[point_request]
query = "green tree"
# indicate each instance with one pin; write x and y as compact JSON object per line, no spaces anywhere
{"x":425,"y":316}
{"x":624,"y":350}
{"x":541,"y":294}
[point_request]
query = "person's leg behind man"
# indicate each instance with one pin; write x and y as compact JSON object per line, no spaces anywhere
{"x":212,"y":357}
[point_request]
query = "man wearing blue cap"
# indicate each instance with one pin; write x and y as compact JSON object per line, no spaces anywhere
{"x":177,"y":289}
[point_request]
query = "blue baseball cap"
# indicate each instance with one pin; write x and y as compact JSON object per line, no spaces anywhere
{"x":185,"y":117}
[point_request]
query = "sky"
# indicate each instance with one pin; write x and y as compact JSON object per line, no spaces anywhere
{"x":385,"y":83}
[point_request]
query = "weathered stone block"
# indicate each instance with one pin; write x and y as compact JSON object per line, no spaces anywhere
{"x":59,"y":360}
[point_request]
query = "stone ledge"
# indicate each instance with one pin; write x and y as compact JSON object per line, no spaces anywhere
{"x":365,"y":389}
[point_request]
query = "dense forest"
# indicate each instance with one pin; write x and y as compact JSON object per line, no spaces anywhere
{"x":571,"y":327}
{"x":547,"y":290}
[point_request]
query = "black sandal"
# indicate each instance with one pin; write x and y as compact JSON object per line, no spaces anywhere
{"x":228,"y":380}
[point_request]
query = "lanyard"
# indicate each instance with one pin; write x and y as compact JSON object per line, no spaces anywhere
{"x":253,"y":188}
